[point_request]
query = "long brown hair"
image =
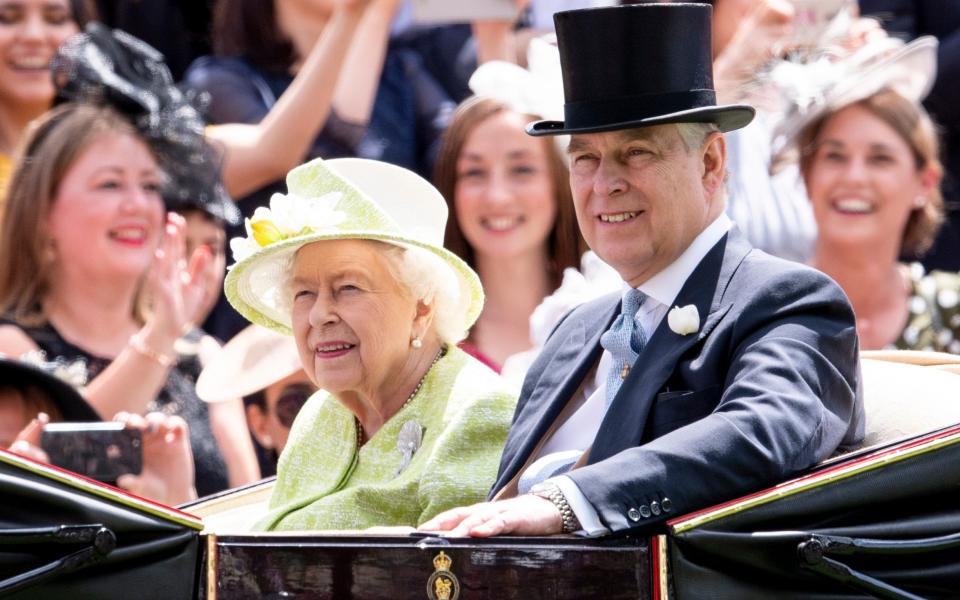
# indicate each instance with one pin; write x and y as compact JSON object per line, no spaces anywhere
{"x":914,"y":125}
{"x":52,"y":144}
{"x":564,"y":244}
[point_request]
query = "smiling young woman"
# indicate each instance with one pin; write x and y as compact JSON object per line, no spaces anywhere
{"x":512,"y":219}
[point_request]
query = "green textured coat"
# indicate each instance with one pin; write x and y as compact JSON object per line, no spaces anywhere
{"x":323,"y":482}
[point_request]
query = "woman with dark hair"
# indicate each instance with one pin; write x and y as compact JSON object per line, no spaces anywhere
{"x":287,"y":80}
{"x":511,"y":220}
{"x":30,"y":33}
{"x":262,"y":47}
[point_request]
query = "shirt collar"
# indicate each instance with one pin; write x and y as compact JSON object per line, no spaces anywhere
{"x":665,"y":285}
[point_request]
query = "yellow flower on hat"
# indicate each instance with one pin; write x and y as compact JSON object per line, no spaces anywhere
{"x":289,"y":216}
{"x":265,"y":232}
{"x":345,"y":198}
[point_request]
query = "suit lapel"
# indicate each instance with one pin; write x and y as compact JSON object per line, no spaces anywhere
{"x":559,"y":381}
{"x":624,"y":422}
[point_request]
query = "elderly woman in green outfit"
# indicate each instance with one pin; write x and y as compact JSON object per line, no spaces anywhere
{"x":405,"y":425}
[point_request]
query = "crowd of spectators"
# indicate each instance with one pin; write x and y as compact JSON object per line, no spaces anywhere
{"x":115,"y":238}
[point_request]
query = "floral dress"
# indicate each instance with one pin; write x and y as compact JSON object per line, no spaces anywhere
{"x":934,"y":305}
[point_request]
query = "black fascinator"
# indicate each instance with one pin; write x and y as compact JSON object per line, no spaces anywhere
{"x":105,"y":66}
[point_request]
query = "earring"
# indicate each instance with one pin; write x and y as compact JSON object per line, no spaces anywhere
{"x":416,"y":343}
{"x":919,"y":201}
{"x":50,"y":252}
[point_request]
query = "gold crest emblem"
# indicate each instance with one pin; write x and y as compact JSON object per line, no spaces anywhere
{"x":442,"y":584}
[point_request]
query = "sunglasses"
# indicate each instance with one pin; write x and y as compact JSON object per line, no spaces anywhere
{"x":291,"y":400}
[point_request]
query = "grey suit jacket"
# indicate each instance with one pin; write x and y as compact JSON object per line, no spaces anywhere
{"x":766,"y":388}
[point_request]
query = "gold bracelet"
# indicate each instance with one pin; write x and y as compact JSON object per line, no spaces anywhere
{"x":141,"y":347}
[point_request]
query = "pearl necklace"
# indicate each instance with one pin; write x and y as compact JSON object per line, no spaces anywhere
{"x":440,"y":354}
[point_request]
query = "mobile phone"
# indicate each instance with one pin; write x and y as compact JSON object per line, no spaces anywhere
{"x":101,"y":451}
{"x":463,"y":11}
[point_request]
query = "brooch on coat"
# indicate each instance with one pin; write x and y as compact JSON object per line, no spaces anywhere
{"x":408,"y":442}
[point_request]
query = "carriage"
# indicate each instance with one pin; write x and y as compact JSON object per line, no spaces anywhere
{"x":883,"y":521}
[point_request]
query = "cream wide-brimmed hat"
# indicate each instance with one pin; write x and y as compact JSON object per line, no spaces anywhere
{"x":338,"y":199}
{"x":251,"y":361}
{"x":811,"y":90}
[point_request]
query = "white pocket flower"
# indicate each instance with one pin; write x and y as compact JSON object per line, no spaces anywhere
{"x":684,"y":320}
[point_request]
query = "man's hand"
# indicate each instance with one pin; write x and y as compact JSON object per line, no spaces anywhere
{"x":523,"y":515}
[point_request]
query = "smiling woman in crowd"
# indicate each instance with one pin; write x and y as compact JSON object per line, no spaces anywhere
{"x":86,"y":242}
{"x":350,"y":261}
{"x":30,"y":33}
{"x":512,"y":216}
{"x":870,"y":161}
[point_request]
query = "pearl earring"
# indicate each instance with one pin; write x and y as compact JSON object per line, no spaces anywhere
{"x":416,"y":343}
{"x":919,"y":201}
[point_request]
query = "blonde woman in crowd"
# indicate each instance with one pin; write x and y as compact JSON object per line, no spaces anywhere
{"x":86,"y":240}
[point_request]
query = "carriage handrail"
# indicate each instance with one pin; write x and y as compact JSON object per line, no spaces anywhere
{"x":99,"y":541}
{"x":814,"y":553}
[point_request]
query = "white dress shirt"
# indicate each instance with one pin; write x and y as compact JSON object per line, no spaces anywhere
{"x":580,"y":429}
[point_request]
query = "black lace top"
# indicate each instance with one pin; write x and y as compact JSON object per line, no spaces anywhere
{"x":177,"y":397}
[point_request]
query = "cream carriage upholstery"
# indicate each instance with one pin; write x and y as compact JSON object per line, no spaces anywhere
{"x":907,"y":393}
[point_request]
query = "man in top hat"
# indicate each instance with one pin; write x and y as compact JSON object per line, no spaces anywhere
{"x":718,"y":370}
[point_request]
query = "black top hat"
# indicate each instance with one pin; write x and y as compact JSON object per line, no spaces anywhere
{"x":64,"y":396}
{"x":635,"y":66}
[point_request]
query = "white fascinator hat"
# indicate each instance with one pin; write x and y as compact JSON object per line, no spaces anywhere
{"x":811,"y":90}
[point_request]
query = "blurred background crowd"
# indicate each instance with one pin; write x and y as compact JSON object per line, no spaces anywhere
{"x":137,"y":135}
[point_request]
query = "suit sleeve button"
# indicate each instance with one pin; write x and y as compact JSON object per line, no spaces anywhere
{"x":666,"y":504}
{"x":655,"y":508}
{"x":634,"y":514}
{"x":644,"y":511}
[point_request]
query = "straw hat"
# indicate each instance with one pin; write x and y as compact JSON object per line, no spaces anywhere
{"x":813,"y":89}
{"x":251,"y":361}
{"x":345,"y":198}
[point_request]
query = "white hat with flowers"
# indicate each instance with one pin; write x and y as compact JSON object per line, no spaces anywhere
{"x":344,"y":198}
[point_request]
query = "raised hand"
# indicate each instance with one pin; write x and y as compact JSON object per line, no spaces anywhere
{"x":764,"y":33}
{"x":175,"y":286}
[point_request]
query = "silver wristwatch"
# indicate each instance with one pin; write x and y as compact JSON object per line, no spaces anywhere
{"x":553,"y":493}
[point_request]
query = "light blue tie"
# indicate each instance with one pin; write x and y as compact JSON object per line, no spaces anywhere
{"x":624,"y":341}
